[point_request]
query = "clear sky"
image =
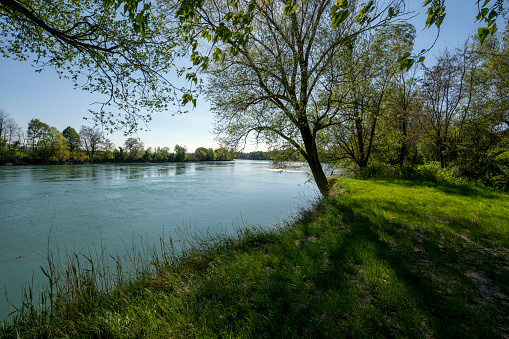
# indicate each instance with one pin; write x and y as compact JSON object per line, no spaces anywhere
{"x":26,"y":95}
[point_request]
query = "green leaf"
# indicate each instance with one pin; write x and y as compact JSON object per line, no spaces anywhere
{"x":482,"y":33}
{"x":289,"y":8}
{"x":493,"y":14}
{"x":406,"y":64}
{"x":339,"y":17}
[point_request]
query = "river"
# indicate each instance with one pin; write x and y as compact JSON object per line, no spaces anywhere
{"x":82,"y":206}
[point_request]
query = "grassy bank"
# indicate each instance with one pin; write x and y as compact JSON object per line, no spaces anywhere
{"x":376,"y":259}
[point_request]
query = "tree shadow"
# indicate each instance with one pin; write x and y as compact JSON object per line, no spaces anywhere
{"x":355,"y":277}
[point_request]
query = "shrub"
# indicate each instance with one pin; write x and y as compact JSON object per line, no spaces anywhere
{"x":498,"y":174}
{"x":430,"y":171}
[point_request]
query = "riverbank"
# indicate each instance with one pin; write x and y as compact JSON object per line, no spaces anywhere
{"x":377,"y":258}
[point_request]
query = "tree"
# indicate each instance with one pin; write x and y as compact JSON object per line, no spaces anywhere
{"x":91,"y":138}
{"x":10,"y":135}
{"x":222,"y":154}
{"x":133,"y":148}
{"x":494,"y":70}
{"x":443,"y":89}
{"x":162,"y":154}
{"x":399,"y":128}
{"x":108,"y":148}
{"x":484,"y":120}
{"x":87,"y":32}
{"x":204,"y":154}
{"x":488,"y":12}
{"x":180,"y":153}
{"x":9,"y":130}
{"x":59,"y":146}
{"x":368,"y":70}
{"x":92,"y":43}
{"x":73,"y":138}
{"x":39,"y":137}
{"x":46,"y":141}
{"x":281,"y":85}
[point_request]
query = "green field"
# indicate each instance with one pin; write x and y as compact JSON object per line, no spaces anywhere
{"x":378,"y":259}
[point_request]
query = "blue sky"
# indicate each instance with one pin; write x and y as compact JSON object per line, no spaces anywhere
{"x":26,"y":95}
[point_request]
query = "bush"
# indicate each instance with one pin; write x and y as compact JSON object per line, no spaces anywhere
{"x":498,"y":174}
{"x":430,"y":171}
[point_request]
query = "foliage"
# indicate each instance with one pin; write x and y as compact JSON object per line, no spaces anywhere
{"x":488,"y":12}
{"x":10,"y":137}
{"x":91,"y":139}
{"x":281,"y":86}
{"x":116,"y":48}
{"x":204,"y":154}
{"x":73,"y":138}
{"x":362,"y":92}
{"x":224,"y":154}
{"x":497,"y":171}
{"x":180,"y":153}
{"x":93,"y":44}
{"x":399,"y":129}
{"x":430,"y":172}
{"x":46,"y":142}
{"x":134,"y":148}
{"x":443,"y":90}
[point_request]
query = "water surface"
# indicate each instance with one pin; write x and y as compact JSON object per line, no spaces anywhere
{"x":90,"y":205}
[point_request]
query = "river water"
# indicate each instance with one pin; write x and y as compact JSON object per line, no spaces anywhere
{"x":79,"y":206}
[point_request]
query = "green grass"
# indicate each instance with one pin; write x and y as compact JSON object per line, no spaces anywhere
{"x":376,"y":259}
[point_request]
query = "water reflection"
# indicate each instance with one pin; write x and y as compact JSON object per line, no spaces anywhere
{"x":180,"y":168}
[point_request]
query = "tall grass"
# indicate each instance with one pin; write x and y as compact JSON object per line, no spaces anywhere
{"x":78,"y":281}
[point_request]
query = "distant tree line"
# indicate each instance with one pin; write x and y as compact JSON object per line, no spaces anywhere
{"x":44,"y":144}
{"x":273,"y":155}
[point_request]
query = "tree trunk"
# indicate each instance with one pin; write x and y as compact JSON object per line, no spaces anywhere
{"x":314,"y":162}
{"x":318,"y":174}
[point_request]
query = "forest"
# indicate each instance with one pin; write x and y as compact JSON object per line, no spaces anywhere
{"x":44,"y":144}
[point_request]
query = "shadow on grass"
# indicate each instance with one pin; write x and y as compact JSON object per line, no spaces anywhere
{"x":434,"y":272}
{"x":340,"y":274}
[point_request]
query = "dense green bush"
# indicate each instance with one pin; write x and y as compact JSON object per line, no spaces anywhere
{"x":497,"y":175}
{"x":430,"y":171}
